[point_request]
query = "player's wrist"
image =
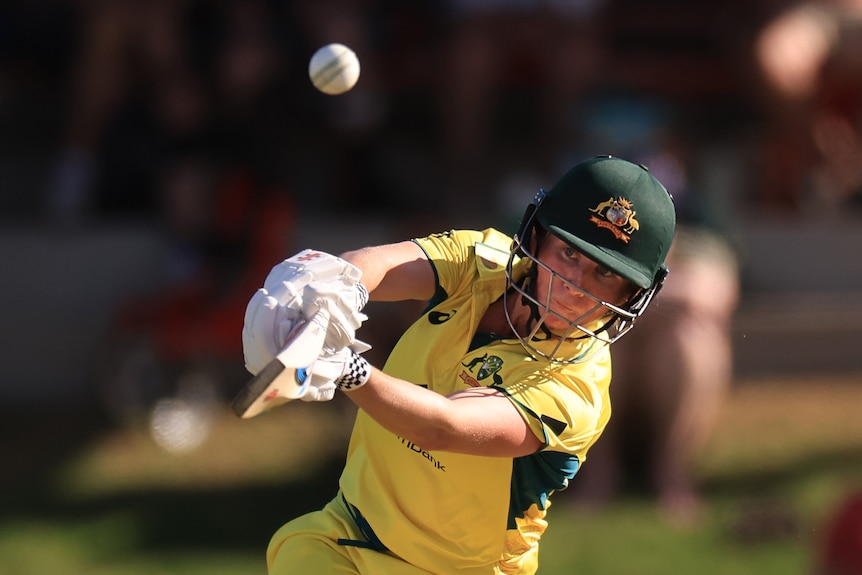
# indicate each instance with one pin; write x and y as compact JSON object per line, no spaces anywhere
{"x":357,"y":371}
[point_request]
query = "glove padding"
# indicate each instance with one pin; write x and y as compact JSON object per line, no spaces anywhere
{"x":274,"y":310}
{"x":312,"y":265}
{"x":344,"y":369}
{"x":267,"y":324}
{"x":343,"y":302}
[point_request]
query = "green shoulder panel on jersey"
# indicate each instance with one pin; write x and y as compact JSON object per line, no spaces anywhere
{"x":535,"y":477}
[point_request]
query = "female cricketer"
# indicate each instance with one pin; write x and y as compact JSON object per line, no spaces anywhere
{"x":490,"y":401}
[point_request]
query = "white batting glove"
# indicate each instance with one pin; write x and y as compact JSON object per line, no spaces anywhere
{"x":267,"y":324}
{"x":344,"y":303}
{"x":312,"y":265}
{"x":275,"y":309}
{"x":320,"y":388}
{"x":344,"y":369}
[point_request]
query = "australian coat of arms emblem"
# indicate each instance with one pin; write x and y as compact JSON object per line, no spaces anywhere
{"x":616,"y":215}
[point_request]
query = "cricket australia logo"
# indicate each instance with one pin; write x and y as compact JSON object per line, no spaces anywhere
{"x":488,"y":366}
{"x":617,"y":216}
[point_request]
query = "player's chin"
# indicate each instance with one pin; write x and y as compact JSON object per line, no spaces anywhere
{"x":558,"y":326}
{"x":565,"y":324}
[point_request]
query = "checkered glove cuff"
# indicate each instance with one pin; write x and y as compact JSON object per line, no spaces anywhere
{"x":356,"y":373}
{"x":361,"y":296}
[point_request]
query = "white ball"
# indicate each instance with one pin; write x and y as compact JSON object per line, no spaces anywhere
{"x":334,"y":69}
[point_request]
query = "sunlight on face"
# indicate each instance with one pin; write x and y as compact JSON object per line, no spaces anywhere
{"x":588,"y":275}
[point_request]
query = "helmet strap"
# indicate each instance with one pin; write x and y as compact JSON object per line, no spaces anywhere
{"x":529,"y":286}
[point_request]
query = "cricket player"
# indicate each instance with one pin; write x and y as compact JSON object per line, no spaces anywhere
{"x":490,"y":401}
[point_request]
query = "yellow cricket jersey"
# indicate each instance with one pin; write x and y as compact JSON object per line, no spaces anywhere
{"x":453,"y":513}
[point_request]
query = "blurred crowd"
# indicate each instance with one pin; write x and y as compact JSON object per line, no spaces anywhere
{"x":198,"y":116}
{"x":111,"y":104}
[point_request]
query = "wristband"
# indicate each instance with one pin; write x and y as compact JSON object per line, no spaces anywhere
{"x":356,"y":373}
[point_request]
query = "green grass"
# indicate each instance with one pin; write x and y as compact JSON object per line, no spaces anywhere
{"x":630,"y":538}
{"x":81,"y":498}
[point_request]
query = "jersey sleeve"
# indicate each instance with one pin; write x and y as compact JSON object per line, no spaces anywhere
{"x":567,"y":407}
{"x":452,"y":255}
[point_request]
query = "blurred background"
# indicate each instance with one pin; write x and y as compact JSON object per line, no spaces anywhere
{"x":158,"y":157}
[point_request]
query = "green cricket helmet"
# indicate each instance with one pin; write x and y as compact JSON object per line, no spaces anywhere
{"x":617,"y":214}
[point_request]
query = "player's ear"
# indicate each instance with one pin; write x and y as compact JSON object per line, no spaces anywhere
{"x":634,"y":294}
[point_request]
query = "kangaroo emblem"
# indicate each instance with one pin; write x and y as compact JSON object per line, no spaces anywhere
{"x":618,"y":216}
{"x":488,"y":367}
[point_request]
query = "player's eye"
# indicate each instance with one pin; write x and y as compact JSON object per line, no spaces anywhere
{"x":604,"y":272}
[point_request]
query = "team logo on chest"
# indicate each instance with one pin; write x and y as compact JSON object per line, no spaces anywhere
{"x":484,"y":367}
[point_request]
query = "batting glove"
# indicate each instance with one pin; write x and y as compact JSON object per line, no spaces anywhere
{"x":268,"y":322}
{"x":344,"y":303}
{"x":344,"y":369}
{"x":275,"y":309}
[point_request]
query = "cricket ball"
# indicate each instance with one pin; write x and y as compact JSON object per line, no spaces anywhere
{"x":334,"y":69}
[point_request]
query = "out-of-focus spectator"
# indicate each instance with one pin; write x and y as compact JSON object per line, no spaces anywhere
{"x":154,"y":80}
{"x":835,"y":183}
{"x":670,"y":379}
{"x":810,"y":57}
{"x":672,"y":372}
{"x":36,"y":40}
{"x":178,"y":119}
{"x":543,"y":55}
{"x":128,"y":52}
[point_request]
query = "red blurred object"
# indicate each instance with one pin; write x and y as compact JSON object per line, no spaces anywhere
{"x":841,"y":553}
{"x":202,"y":317}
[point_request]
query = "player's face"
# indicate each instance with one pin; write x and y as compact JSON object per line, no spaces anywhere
{"x":573,"y":270}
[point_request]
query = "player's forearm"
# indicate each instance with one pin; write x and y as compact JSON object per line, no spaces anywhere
{"x":409,"y":411}
{"x":476,"y":421}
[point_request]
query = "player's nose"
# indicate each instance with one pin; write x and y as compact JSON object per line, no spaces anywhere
{"x":575,"y":277}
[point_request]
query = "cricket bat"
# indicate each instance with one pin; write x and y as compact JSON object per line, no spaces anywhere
{"x":287,"y":376}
